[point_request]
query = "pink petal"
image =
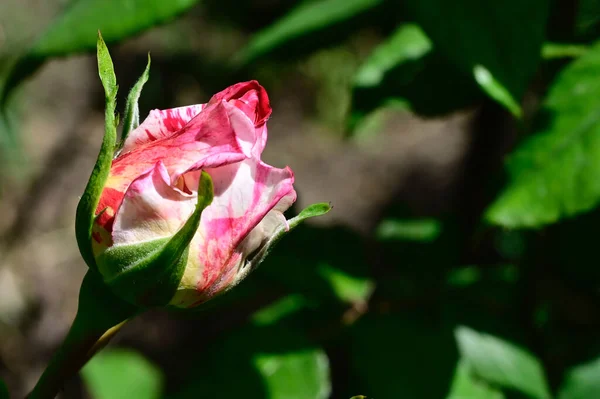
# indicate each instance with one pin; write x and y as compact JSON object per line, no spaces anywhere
{"x":251,"y":98}
{"x":209,"y":140}
{"x":151,"y":209}
{"x":159,"y":124}
{"x":250,"y":197}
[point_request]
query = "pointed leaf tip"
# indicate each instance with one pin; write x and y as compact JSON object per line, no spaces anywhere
{"x":106,"y":69}
{"x":131,"y":119}
{"x":315,"y":210}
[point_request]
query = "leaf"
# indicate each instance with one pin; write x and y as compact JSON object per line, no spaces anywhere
{"x":407,"y":43}
{"x":466,"y":386}
{"x":280,"y":309}
{"x":502,"y":363}
{"x":122,"y":374}
{"x":266,"y":361}
{"x":563,"y":50}
{"x":86,"y":208}
{"x":346,"y":287}
{"x":131,"y":119}
{"x":319,"y":266}
{"x":307,"y":17}
{"x":581,"y":382}
{"x":555,"y":173}
{"x":423,"y":230}
{"x":75,"y":29}
{"x":495,"y":90}
{"x":504,"y":38}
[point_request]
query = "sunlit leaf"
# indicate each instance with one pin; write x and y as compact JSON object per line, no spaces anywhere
{"x":424,"y":230}
{"x":307,"y":17}
{"x":122,"y":374}
{"x":496,"y":90}
{"x":466,"y":386}
{"x":408,"y":42}
{"x":555,"y":172}
{"x":563,"y":50}
{"x":346,"y":287}
{"x":582,"y":382}
{"x":504,"y":38}
{"x":501,"y":363}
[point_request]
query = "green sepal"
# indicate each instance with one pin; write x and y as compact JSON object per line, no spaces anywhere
{"x":148,"y":274}
{"x":131,"y":119}
{"x":86,"y":209}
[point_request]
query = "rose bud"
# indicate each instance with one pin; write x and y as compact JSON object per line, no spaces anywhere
{"x":186,"y":208}
{"x":163,"y":174}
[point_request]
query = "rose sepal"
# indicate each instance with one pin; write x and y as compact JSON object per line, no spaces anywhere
{"x":131,"y":117}
{"x":86,"y":209}
{"x":147,"y":274}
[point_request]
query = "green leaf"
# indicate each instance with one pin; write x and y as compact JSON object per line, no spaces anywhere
{"x":502,"y":363}
{"x":122,"y":374}
{"x":86,"y":209}
{"x":346,"y":287}
{"x":505,"y":38}
{"x":319,"y":266}
{"x":131,"y":119}
{"x":407,"y":43}
{"x":307,"y":17}
{"x":422,"y":230}
{"x":280,"y":309}
{"x":555,"y":173}
{"x":467,"y":386}
{"x":496,"y":90}
{"x":581,"y":382}
{"x":74,"y":30}
{"x":267,"y":362}
{"x":563,"y":50}
{"x":148,"y":273}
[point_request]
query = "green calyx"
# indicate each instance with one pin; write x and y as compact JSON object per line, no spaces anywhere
{"x":147,"y":274}
{"x":86,"y":209}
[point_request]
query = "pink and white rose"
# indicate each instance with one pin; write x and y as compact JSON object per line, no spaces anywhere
{"x":152,"y":188}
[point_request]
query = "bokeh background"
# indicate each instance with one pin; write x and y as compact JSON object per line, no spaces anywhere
{"x":458,"y":141}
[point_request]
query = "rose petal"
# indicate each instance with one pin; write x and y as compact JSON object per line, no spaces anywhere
{"x":151,"y":209}
{"x":159,"y":124}
{"x":210,"y":140}
{"x":250,"y":197}
{"x":251,"y":98}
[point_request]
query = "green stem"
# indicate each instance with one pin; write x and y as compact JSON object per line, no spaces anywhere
{"x":99,"y":316}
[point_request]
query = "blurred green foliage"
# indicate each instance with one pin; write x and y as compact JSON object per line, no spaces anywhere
{"x":497,"y":298}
